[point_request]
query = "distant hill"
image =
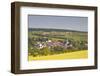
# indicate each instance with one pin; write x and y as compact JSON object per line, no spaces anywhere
{"x":50,"y":29}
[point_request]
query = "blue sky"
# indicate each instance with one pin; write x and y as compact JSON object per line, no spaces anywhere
{"x":58,"y":22}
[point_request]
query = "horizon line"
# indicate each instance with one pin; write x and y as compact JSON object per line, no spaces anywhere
{"x":58,"y":29}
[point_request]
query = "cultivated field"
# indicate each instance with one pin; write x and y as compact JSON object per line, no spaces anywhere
{"x":72,"y":55}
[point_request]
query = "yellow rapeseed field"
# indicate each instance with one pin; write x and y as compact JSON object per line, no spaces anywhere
{"x":72,"y":55}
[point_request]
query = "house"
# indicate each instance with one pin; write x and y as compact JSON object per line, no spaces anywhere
{"x":40,"y":45}
{"x":68,"y":44}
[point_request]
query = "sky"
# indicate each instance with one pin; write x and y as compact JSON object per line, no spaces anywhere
{"x":58,"y":22}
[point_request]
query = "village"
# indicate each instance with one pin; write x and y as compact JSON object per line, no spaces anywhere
{"x":49,"y":43}
{"x":55,"y":42}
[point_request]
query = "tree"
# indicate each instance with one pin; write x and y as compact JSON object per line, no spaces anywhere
{"x":45,"y":51}
{"x":58,"y":49}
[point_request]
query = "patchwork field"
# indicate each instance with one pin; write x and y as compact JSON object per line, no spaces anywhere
{"x":54,"y":44}
{"x":71,"y":55}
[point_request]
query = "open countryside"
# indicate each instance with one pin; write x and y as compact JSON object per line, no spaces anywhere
{"x":55,"y":44}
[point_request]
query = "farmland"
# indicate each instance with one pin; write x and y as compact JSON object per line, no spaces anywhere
{"x":56,"y":43}
{"x":72,"y":55}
